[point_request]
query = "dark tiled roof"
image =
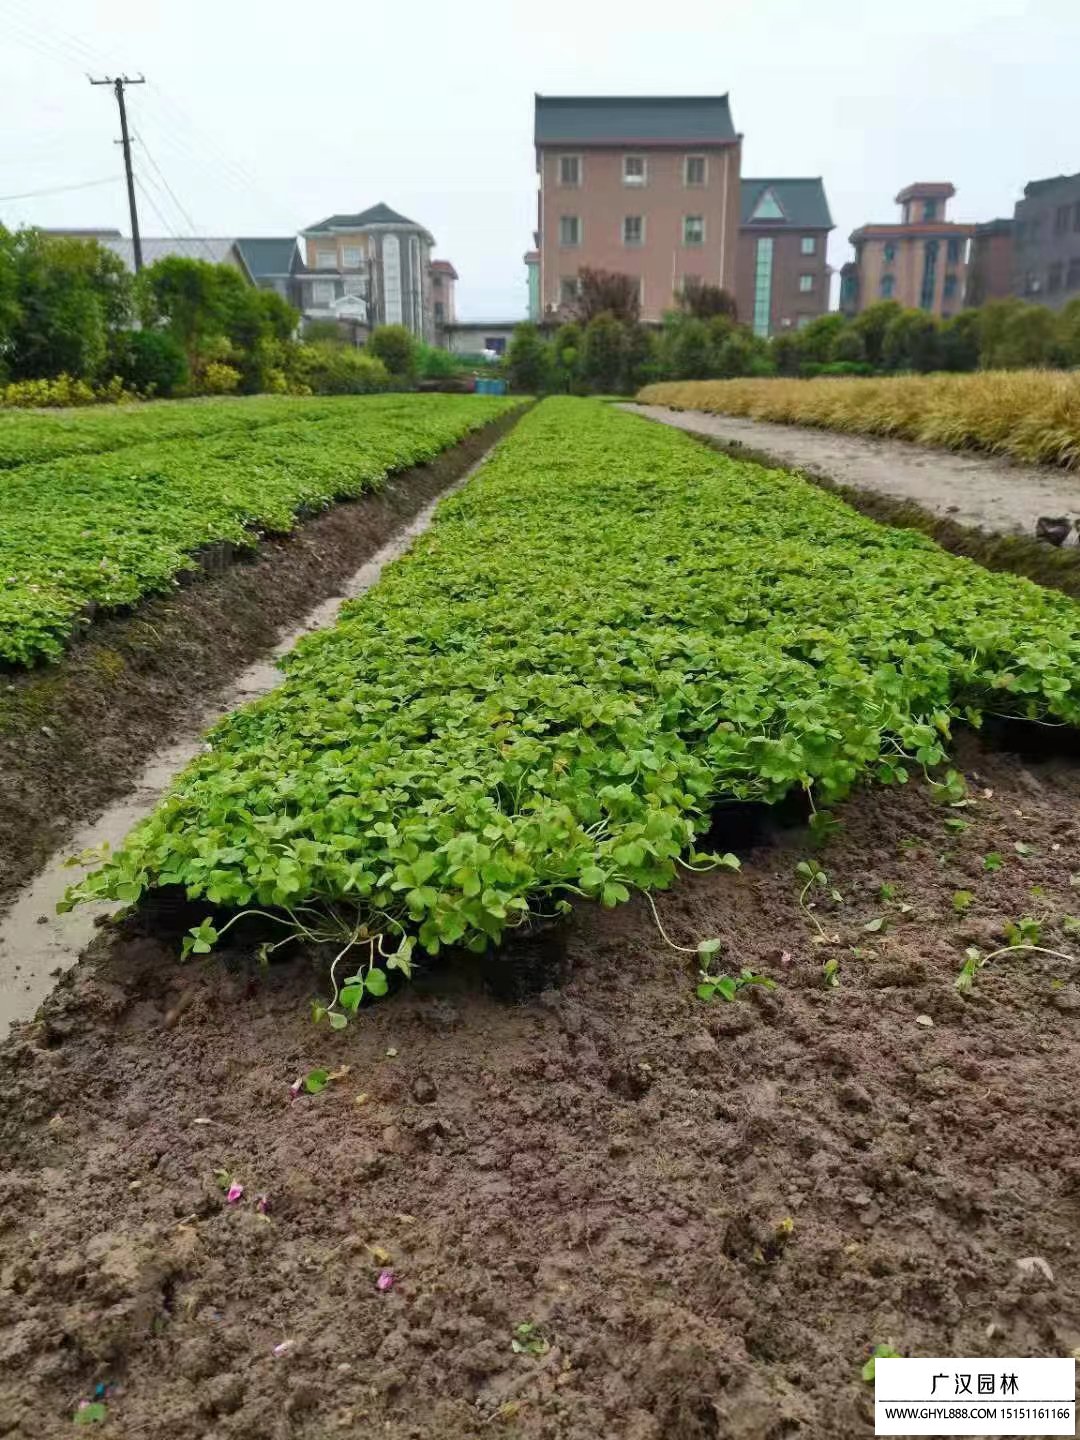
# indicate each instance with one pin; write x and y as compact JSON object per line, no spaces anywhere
{"x":802,"y":201}
{"x":375,"y":215}
{"x":927,"y":190}
{"x":267,"y":255}
{"x":633,"y":119}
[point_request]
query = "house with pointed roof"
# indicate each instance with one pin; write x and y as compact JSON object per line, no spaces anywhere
{"x":374,"y":268}
{"x":645,"y":185}
{"x":782,"y":272}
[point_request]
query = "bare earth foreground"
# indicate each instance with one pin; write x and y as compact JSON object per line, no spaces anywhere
{"x":975,"y":490}
{"x":709,"y":1213}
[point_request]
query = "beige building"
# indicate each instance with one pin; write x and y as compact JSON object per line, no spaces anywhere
{"x":921,"y":262}
{"x":646,"y":186}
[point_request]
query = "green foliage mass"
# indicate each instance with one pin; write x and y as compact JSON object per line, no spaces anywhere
{"x":79,"y":527}
{"x":607,"y":631}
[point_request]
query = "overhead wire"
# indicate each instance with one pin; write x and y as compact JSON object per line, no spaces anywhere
{"x":62,"y":189}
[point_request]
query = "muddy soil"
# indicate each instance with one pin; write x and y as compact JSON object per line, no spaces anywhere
{"x":709,"y":1213}
{"x":74,"y":735}
{"x":974,"y":490}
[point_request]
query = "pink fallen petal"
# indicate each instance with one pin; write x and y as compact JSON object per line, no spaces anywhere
{"x":296,"y":1087}
{"x":385,"y":1280}
{"x":282,"y":1348}
{"x":262,"y":1204}
{"x":235,"y":1191}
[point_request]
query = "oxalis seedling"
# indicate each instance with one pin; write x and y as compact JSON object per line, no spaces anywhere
{"x":975,"y":960}
{"x":880,"y":1352}
{"x":529,"y":1339}
{"x":815,"y":878}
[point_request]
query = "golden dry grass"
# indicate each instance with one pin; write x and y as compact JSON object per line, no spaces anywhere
{"x":1030,"y":415}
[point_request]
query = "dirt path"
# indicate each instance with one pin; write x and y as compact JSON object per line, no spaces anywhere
{"x":710,"y":1214}
{"x":975,"y":490}
{"x":36,"y":942}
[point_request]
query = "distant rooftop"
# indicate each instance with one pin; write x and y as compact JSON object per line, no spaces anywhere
{"x":633,"y":120}
{"x":445,"y":268}
{"x":268,"y":255}
{"x":801,"y":203}
{"x":1035,"y":187}
{"x":217,"y":249}
{"x":927,"y":190}
{"x":380,"y":214}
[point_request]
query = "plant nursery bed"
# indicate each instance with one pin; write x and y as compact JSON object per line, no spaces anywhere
{"x":74,"y":734}
{"x":613,"y":1209}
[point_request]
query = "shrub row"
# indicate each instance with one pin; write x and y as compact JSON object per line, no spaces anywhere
{"x":1029,"y":415}
{"x":88,"y":530}
{"x":607,"y":631}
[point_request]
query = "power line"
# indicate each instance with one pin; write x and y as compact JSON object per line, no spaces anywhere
{"x":172,"y":196}
{"x":61,"y":189}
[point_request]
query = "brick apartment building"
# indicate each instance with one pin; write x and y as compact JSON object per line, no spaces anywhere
{"x":1046,"y":237}
{"x":990,"y":262}
{"x":647,"y":186}
{"x":782,"y":275}
{"x":921,"y":261}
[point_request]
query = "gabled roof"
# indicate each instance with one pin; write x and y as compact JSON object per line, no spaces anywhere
{"x":268,"y":255}
{"x":379,"y":214}
{"x":217,"y":249}
{"x":633,"y":120}
{"x":802,"y":201}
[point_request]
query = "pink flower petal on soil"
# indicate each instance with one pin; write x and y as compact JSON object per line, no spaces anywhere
{"x":282,"y":1348}
{"x":234,"y":1193}
{"x":385,"y":1280}
{"x":262,"y":1204}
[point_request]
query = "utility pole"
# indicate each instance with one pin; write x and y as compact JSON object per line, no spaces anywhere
{"x":118,"y":83}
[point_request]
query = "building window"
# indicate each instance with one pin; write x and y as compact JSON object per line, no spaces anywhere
{"x":569,"y":169}
{"x":436,"y":281}
{"x":322,"y":292}
{"x":569,"y":230}
{"x":929,"y":275}
{"x":325,"y":259}
{"x":1035,"y":229}
{"x":888,"y":285}
{"x":1061,"y":219}
{"x":1031,"y":283}
{"x":1076,"y":216}
{"x":440,"y":312}
{"x":949,"y":291}
{"x":1021,"y":234}
{"x":1053,"y":276}
{"x":354,"y":285}
{"x":391,"y":258}
{"x":929,"y":210}
{"x":954,"y":251}
{"x":1072,"y":274}
{"x":693,"y":230}
{"x":694,"y":170}
{"x":890,"y":254}
{"x":807,"y":245}
{"x":633,"y":169}
{"x":350,"y":257}
{"x":806,"y":283}
{"x":497,"y":343}
{"x":633,"y":230}
{"x":763,"y":258}
{"x":568,"y":289}
{"x":767,"y":207}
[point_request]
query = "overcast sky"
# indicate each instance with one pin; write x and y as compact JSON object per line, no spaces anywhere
{"x":261,"y":119}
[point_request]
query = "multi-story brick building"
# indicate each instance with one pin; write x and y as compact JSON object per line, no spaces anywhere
{"x":990,"y":262}
{"x":647,"y":186}
{"x":373,"y":268}
{"x":921,"y":262}
{"x":782,"y":273}
{"x":1046,"y":241}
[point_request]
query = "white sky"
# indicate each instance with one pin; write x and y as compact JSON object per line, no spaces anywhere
{"x":265,"y":118}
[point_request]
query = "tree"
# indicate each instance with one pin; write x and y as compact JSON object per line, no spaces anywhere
{"x":1069,"y":333}
{"x":280,"y":317}
{"x":960,"y":341}
{"x":639,"y":357}
{"x":566,"y":356}
{"x":396,"y":348}
{"x":994,"y":318}
{"x":528,"y":362}
{"x":1029,"y":338}
{"x":703,"y":301}
{"x":912,"y":342}
{"x":149,"y":361}
{"x":870,"y":326}
{"x":70,"y":295}
{"x":188,"y":299}
{"x":849,"y":348}
{"x":817,"y":340}
{"x":9,"y":297}
{"x":603,"y":353}
{"x":742,"y":353}
{"x":689,"y":350}
{"x":786,"y":356}
{"x":603,"y":292}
